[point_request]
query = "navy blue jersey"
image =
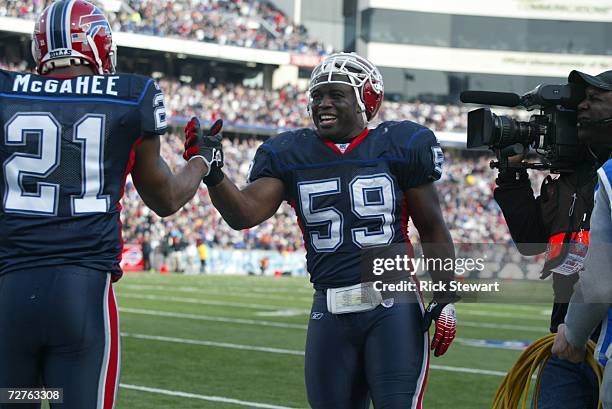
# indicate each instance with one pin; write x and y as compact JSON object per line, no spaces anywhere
{"x":66,"y":147}
{"x":351,"y":201}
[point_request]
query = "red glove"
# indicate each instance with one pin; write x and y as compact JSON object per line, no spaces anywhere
{"x":205,"y":145}
{"x":446,"y":325}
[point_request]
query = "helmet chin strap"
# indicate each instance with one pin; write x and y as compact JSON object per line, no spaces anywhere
{"x":99,"y":67}
{"x":362,"y":108}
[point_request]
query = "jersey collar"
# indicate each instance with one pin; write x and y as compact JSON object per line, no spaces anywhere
{"x":356,"y":141}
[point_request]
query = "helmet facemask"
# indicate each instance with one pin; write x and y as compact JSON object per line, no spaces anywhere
{"x":357,"y":72}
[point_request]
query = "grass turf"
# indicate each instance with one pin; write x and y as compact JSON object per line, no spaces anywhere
{"x":203,"y":321}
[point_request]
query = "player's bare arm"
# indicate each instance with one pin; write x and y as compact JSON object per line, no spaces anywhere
{"x":165,"y":192}
{"x":240,"y":208}
{"x":161,"y":190}
{"x":424,"y":209}
{"x":437,"y":243}
{"x":250,"y":206}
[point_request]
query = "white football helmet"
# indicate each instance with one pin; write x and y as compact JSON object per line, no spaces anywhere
{"x":353,"y":70}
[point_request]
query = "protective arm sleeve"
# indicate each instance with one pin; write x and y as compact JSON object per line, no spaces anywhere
{"x":522,"y":213}
{"x":593,"y":292}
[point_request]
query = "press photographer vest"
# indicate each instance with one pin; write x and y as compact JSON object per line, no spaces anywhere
{"x":566,"y":205}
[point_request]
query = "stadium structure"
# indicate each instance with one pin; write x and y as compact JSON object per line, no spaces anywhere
{"x":261,"y":53}
{"x":428,"y":52}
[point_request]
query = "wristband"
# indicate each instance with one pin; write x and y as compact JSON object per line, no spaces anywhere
{"x":214,"y":177}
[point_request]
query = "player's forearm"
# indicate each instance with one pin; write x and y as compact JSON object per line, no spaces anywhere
{"x":162,"y":190}
{"x":186,"y":182}
{"x":175,"y":190}
{"x":235,"y":206}
{"x":438,"y":245}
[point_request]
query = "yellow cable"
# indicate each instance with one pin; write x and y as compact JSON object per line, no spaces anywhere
{"x":517,"y":382}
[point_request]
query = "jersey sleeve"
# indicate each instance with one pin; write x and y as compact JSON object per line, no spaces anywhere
{"x":153,"y":120}
{"x":264,"y":164}
{"x":423,"y":158}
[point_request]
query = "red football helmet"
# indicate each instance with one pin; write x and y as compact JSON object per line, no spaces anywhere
{"x":356,"y":71}
{"x":73,"y":32}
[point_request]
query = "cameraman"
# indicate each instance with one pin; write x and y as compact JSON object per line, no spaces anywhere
{"x":557,"y":223}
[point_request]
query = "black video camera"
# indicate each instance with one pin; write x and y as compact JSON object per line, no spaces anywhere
{"x":552,"y":133}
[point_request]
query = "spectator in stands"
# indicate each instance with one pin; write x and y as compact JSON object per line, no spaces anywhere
{"x":146,"y":251}
{"x":202,"y":254}
{"x":466,"y":188}
{"x":252,"y":24}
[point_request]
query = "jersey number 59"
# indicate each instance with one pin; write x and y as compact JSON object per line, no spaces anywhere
{"x":372,"y":198}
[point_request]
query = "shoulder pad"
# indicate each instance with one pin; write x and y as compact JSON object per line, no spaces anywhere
{"x":403,"y":129}
{"x":290,"y":139}
{"x":137,"y":85}
{"x":407,"y":134}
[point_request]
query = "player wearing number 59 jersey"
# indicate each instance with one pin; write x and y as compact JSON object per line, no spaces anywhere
{"x":69,"y":137}
{"x":353,"y":190}
{"x":349,"y":196}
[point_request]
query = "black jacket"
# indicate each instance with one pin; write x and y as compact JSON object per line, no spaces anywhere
{"x":564,"y":205}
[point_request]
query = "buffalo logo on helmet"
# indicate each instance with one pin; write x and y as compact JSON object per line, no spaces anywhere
{"x":94,"y":22}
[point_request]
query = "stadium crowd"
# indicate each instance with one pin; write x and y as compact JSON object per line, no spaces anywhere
{"x":243,"y":23}
{"x":465,"y":191}
{"x":286,"y":107}
{"x":466,"y":188}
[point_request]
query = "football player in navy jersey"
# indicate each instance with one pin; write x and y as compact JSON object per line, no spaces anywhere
{"x":353,"y":190}
{"x":69,"y":137}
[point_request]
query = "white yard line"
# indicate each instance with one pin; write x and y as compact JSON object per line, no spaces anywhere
{"x":229,"y":293}
{"x":272,"y":294}
{"x":543,"y":308}
{"x":304,"y":311}
{"x":204,"y":302}
{"x":537,"y":317}
{"x":263,"y":323}
{"x":198,"y":317}
{"x":213,"y":344}
{"x":497,"y":344}
{"x":188,"y":395}
{"x":543,"y":329}
{"x":287,"y":351}
{"x":467,"y":370}
{"x":264,"y":287}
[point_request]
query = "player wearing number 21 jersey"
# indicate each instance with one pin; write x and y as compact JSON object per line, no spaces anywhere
{"x":353,"y":190}
{"x":69,"y":137}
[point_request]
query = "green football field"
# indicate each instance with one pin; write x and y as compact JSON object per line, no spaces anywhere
{"x":231,"y":342}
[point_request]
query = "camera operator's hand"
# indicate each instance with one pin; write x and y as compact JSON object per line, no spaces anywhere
{"x":515,"y":159}
{"x":564,"y":350}
{"x":513,"y":173}
{"x":515,"y":154}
